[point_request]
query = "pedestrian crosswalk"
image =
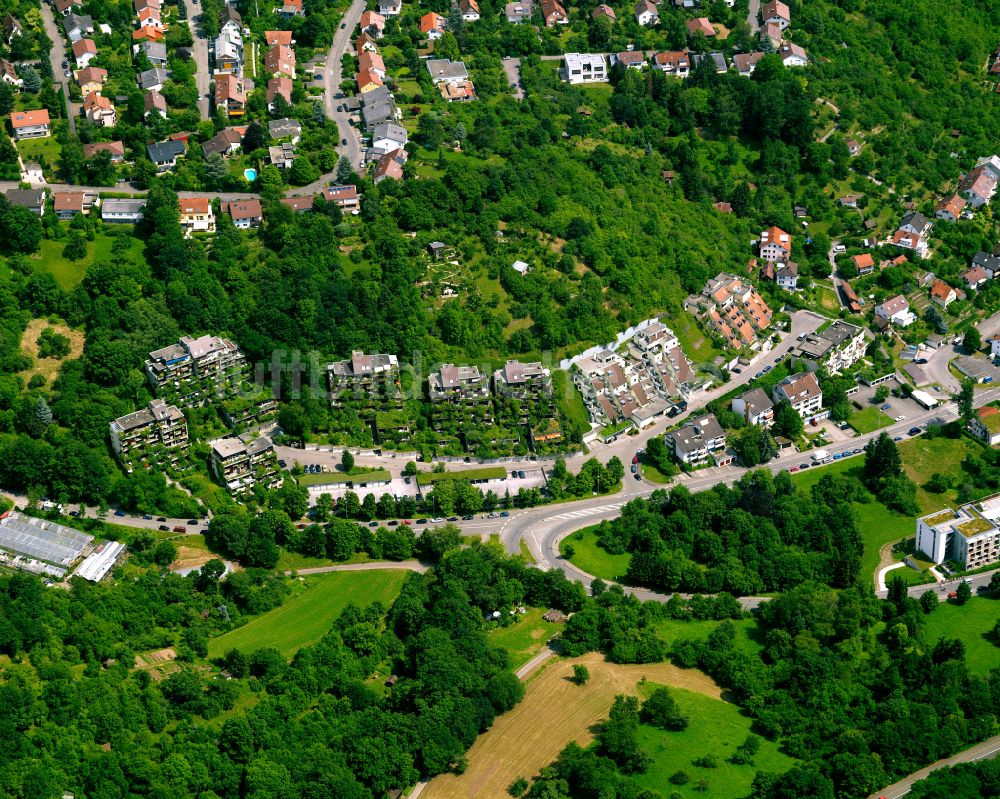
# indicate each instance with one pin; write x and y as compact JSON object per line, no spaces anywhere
{"x":584,"y":512}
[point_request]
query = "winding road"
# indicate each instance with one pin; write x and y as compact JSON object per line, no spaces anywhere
{"x":333,"y":74}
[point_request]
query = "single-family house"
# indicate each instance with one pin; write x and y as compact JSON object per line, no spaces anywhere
{"x":372,"y":23}
{"x":974,"y":277}
{"x":164,"y":154}
{"x":585,"y":68}
{"x":390,"y":166}
{"x":985,"y":425}
{"x":281,"y":155}
{"x":77,"y":26}
{"x":988,"y":263}
{"x":229,"y":52}
{"x":32,"y":199}
{"x":115,"y":149}
{"x":943,"y":294}
{"x":84,"y":51}
{"x":378,"y":106}
{"x":367,"y":81}
{"x":64,"y":7}
{"x":345,"y":197}
{"x":978,"y":186}
{"x":372,"y":62}
{"x":153,"y":79}
{"x":746,"y":63}
{"x":125,"y":212}
{"x":675,"y":63}
{"x":777,"y":12}
{"x":230,"y":20}
{"x":457,"y":91}
{"x":149,"y":17}
{"x":91,"y":79}
{"x":631,"y":59}
{"x":646,"y":13}
{"x":553,"y":13}
{"x":229,"y":94}
{"x":802,"y":392}
{"x":197,"y":215}
{"x":520,"y":11}
{"x":950,"y":208}
{"x":432,"y":25}
{"x":226,"y":142}
{"x":244,"y":213}
{"x":849,"y":200}
{"x":912,"y":233}
{"x":365,"y":43}
{"x":792,"y":55}
{"x":896,"y":310}
{"x":444,"y":70}
{"x":469,"y":10}
{"x":604,"y":10}
{"x":298,"y":204}
{"x":279,"y":86}
{"x":388,"y":136}
{"x":30,"y":124}
{"x":148,"y":33}
{"x":154,"y":103}
{"x":67,"y":204}
{"x":864,"y":263}
{"x":786,"y":275}
{"x":291,"y":8}
{"x":700,"y":25}
{"x":775,"y":244}
{"x":8,"y":74}
{"x":755,"y":407}
{"x":773,"y":34}
{"x":99,"y":110}
{"x":390,"y":8}
{"x":280,"y":60}
{"x":272,"y":38}
{"x":285,"y":128}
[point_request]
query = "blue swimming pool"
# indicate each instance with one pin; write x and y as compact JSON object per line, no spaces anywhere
{"x":250,"y":174}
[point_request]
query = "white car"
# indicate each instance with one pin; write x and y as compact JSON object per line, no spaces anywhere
{"x":437,"y":520}
{"x":898,"y":418}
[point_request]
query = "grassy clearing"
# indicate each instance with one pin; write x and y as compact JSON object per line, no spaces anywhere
{"x":869,"y":420}
{"x":716,"y":728}
{"x":553,"y":713}
{"x":44,"y":150}
{"x":306,"y":617}
{"x":291,"y":561}
{"x":525,"y":638}
{"x":747,"y":632}
{"x":696,"y":345}
{"x":48,"y":367}
{"x":590,"y":557}
{"x":334,"y":478}
{"x":570,"y":399}
{"x":922,"y":457}
{"x":972,"y":624}
{"x":69,"y":273}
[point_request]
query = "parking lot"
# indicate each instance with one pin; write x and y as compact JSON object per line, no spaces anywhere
{"x":407,"y":486}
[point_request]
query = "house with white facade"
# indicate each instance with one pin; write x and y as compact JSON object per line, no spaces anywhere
{"x":802,"y":392}
{"x":896,"y":311}
{"x":585,"y":68}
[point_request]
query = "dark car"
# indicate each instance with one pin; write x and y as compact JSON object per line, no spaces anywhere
{"x":897,"y":438}
{"x":164,"y":528}
{"x":391,"y":523}
{"x":505,"y":513}
{"x":282,"y":464}
{"x":758,"y":375}
{"x":119,"y":513}
{"x":373,"y":524}
{"x":915,"y":431}
{"x":193,"y":522}
{"x":343,"y":25}
{"x":74,"y":513}
{"x":452,"y":518}
{"x":920,"y":361}
{"x":421,"y":521}
{"x":148,"y":518}
{"x":65,"y":64}
{"x":343,"y":142}
{"x":468,"y":518}
{"x":300,"y":527}
{"x":638,"y":476}
{"x":161,"y":518}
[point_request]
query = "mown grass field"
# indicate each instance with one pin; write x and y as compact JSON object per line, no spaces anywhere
{"x":748,"y":636}
{"x":554,"y":712}
{"x":972,"y":624}
{"x":524,"y":639}
{"x":306,"y":616}
{"x":869,"y":420}
{"x":715,"y":728}
{"x":590,"y":557}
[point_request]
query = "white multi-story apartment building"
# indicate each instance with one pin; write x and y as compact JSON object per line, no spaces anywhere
{"x":969,"y":536}
{"x":244,"y":461}
{"x":585,"y":68}
{"x":835,"y":348}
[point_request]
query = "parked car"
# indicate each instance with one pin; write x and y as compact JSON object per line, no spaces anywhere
{"x":505,"y":513}
{"x":915,"y":431}
{"x":635,"y":459}
{"x":437,"y":520}
{"x":520,"y":474}
{"x":163,"y":528}
{"x":392,"y":523}
{"x":885,"y":407}
{"x":119,"y":513}
{"x":633,"y":468}
{"x":452,"y":518}
{"x":803,"y":465}
{"x":898,"y":418}
{"x":638,"y":476}
{"x":343,"y":142}
{"x":758,"y":375}
{"x":300,"y":527}
{"x":148,"y":518}
{"x":468,"y":518}
{"x":373,"y":524}
{"x":920,"y":361}
{"x":407,"y":521}
{"x":180,"y":529}
{"x":74,"y":513}
{"x":421,"y":521}
{"x":193,"y":522}
{"x":794,"y":469}
{"x":161,"y":518}
{"x":282,"y":464}
{"x":767,"y":369}
{"x":493,"y":515}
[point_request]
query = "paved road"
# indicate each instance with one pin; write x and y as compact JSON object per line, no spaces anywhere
{"x":333,"y":75}
{"x":936,"y":367}
{"x":202,"y":75}
{"x":512,"y":69}
{"x":375,"y":565}
{"x":987,"y":750}
{"x":130,"y":189}
{"x":834,"y":278}
{"x":753,"y":16}
{"x":56,"y":56}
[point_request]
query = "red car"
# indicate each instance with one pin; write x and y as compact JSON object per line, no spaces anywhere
{"x":407,"y":521}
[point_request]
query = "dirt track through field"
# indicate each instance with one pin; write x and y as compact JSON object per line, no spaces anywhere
{"x":553,"y":712}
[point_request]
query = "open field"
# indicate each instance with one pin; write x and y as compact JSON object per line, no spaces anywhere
{"x":972,"y":624}
{"x":748,"y":636}
{"x":69,"y":273}
{"x":869,"y":420}
{"x":715,"y":728}
{"x":526,"y":638}
{"x":923,"y":456}
{"x":48,"y":367}
{"x":590,"y":557}
{"x":306,"y":616}
{"x":554,"y":712}
{"x":696,"y":345}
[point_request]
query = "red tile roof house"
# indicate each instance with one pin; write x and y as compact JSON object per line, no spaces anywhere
{"x":30,"y":124}
{"x":370,"y":21}
{"x":244,"y":213}
{"x":116,"y":148}
{"x":777,"y":12}
{"x":675,"y":63}
{"x":975,"y":277}
{"x":280,"y":60}
{"x":943,"y":294}
{"x":272,"y":38}
{"x":298,"y":204}
{"x":84,"y":51}
{"x":280,"y":85}
{"x":67,"y":204}
{"x":390,"y":166}
{"x":950,"y":208}
{"x":604,"y":11}
{"x":553,"y":13}
{"x":775,"y":244}
{"x":344,"y":197}
{"x":864,"y":263}
{"x":700,"y":25}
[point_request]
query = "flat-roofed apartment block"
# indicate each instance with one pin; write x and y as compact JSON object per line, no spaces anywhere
{"x":244,"y":461}
{"x":835,"y":348}
{"x":969,"y":536}
{"x":156,"y":434}
{"x":195,"y":370}
{"x":371,"y":378}
{"x":522,"y":380}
